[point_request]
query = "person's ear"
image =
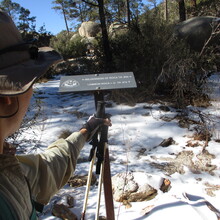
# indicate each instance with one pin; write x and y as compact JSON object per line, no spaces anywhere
{"x":8,"y":106}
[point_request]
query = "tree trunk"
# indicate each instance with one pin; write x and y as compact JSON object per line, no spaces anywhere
{"x":128,"y":13}
{"x":182,"y":10}
{"x":107,"y":51}
{"x":64,"y":15}
{"x":166,"y":10}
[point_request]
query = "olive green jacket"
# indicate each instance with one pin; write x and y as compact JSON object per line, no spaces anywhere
{"x":46,"y":172}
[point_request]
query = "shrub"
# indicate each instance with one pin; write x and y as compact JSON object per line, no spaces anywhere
{"x":185,"y":73}
{"x":66,"y":47}
{"x":164,"y":65}
{"x":77,"y":47}
{"x":61,"y":43}
{"x":142,"y":50}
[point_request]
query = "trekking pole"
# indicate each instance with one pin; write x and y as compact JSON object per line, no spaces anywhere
{"x":88,"y":184}
{"x":103,"y":166}
{"x":100,"y":113}
{"x":99,"y":191}
{"x":92,"y":157}
{"x":105,"y":180}
{"x":97,"y":150}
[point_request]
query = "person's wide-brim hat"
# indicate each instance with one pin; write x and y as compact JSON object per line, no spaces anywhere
{"x":21,"y":63}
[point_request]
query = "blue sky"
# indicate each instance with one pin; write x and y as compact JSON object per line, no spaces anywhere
{"x":45,"y":15}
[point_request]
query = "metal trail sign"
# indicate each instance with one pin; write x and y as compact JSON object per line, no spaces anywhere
{"x":96,"y":82}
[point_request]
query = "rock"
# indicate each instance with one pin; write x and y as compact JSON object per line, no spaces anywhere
{"x":165,"y":185}
{"x":165,"y":118}
{"x":63,"y":212}
{"x":117,"y":28}
{"x":127,"y":204}
{"x":191,"y":143}
{"x":183,"y":123}
{"x":142,"y":151}
{"x":90,"y":43}
{"x":136,"y":186}
{"x":201,"y":162}
{"x":75,"y":37}
{"x":146,"y":114}
{"x":164,"y":108}
{"x":147,"y":107}
{"x":167,"y":142}
{"x":70,"y":201}
{"x":89,"y":29}
{"x":197,"y":30}
{"x":78,"y":181}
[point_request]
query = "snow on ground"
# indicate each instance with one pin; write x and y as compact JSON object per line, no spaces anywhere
{"x":134,"y":142}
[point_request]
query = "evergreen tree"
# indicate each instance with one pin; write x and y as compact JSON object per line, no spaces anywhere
{"x":85,"y":12}
{"x":68,"y":9}
{"x":124,"y":11}
{"x":26,"y":23}
{"x":11,"y":8}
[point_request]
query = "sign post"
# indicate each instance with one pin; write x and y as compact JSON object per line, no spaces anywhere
{"x":98,"y":83}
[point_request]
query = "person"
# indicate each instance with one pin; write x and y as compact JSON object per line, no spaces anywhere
{"x":34,"y":177}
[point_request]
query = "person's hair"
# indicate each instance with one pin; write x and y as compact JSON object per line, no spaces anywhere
{"x":5,"y":84}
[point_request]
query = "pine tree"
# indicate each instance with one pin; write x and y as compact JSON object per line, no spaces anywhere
{"x":26,"y":23}
{"x":67,"y":9}
{"x":11,"y":8}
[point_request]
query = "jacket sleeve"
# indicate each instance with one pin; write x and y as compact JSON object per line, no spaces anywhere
{"x":49,"y":171}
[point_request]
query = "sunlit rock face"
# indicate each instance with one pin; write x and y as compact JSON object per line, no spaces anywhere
{"x":137,"y":186}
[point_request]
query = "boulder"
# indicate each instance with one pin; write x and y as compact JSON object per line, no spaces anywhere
{"x":90,"y":43}
{"x":167,"y":142}
{"x":196,"y":30}
{"x":78,"y":181}
{"x":137,"y":186}
{"x":117,"y":28}
{"x":63,"y":212}
{"x":75,"y":37}
{"x":89,"y":29}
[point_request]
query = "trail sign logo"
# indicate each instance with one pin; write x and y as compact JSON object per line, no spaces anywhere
{"x":94,"y":82}
{"x":69,"y":83}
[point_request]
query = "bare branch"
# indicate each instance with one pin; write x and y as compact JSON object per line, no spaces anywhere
{"x":90,"y":3}
{"x":215,"y":32}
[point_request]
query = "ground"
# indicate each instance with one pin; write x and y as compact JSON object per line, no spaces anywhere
{"x":154,"y":138}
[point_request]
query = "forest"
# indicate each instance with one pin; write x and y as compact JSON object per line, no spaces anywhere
{"x":163,"y":64}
